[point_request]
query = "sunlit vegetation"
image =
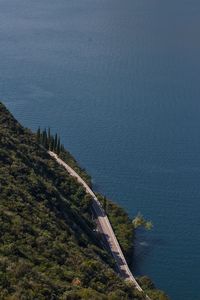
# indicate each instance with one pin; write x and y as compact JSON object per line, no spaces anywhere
{"x":140,"y":221}
{"x":49,"y":248}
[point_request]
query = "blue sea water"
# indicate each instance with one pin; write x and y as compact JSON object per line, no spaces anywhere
{"x":120,"y":82}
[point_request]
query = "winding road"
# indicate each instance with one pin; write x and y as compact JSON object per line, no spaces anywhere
{"x":104,"y":227}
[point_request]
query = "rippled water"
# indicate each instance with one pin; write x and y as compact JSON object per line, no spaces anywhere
{"x":119,"y":80}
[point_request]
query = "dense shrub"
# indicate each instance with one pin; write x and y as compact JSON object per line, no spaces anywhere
{"x":48,"y":246}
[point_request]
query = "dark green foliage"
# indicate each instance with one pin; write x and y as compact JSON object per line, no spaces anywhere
{"x":149,"y":287}
{"x":49,"y":141}
{"x":104,"y":204}
{"x":52,"y":142}
{"x":48,"y":249}
{"x":48,"y":246}
{"x":58,"y":149}
{"x":122,"y":226}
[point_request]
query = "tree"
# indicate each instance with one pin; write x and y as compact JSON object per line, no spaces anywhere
{"x":49,"y":141}
{"x":44,"y":138}
{"x":105,"y":204}
{"x":58,"y":146}
{"x":55,"y":142}
{"x":140,"y":221}
{"x":49,"y":136}
{"x":38,"y":135}
{"x":51,"y":144}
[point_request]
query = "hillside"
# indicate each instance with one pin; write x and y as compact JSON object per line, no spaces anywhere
{"x":48,"y":246}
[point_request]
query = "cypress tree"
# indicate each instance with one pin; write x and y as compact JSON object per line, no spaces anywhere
{"x":58,"y":146}
{"x":38,"y":135}
{"x":52,"y":143}
{"x":43,"y":138}
{"x":105,"y":204}
{"x":45,"y":143}
{"x":49,"y":141}
{"x":49,"y":137}
{"x":62,"y":148}
{"x":55,"y":142}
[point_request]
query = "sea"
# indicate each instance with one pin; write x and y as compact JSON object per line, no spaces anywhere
{"x":119,"y":81}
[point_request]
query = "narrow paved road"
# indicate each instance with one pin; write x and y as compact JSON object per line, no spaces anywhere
{"x":104,"y":227}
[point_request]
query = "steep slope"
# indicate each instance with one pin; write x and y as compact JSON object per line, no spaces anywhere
{"x":48,"y":246}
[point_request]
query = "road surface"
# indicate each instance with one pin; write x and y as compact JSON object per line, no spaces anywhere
{"x":104,"y":226}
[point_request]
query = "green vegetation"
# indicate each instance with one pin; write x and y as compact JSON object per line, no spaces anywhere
{"x":49,"y":141}
{"x":122,"y":226}
{"x":48,"y":246}
{"x":52,"y":142}
{"x":149,"y":287}
{"x":140,"y":221}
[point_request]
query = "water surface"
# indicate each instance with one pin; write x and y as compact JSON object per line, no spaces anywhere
{"x":119,"y":81}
